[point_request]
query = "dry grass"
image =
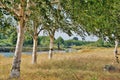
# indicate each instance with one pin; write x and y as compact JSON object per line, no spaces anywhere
{"x":86,"y":64}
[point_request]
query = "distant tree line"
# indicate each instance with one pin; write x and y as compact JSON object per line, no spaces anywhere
{"x":43,"y":41}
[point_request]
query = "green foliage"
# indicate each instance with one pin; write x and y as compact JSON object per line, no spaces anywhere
{"x":4,"y":24}
{"x":5,"y":42}
{"x":98,"y":17}
{"x":13,"y":37}
{"x":75,"y":38}
{"x":94,"y":78}
{"x":2,"y":36}
{"x":69,"y":43}
{"x":0,"y":13}
{"x":100,"y":43}
{"x":43,"y":41}
{"x":60,"y":40}
{"x":28,"y":40}
{"x":8,"y":34}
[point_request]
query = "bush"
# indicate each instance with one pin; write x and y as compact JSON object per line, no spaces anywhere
{"x":69,"y":43}
{"x":101,"y":43}
{"x":4,"y":43}
{"x":7,"y":49}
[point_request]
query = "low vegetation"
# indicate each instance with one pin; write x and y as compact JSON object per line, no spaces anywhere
{"x":86,"y":64}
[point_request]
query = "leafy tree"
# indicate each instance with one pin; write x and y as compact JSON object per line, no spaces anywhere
{"x":4,"y":23}
{"x":35,"y":26}
{"x":20,"y":9}
{"x":44,"y":41}
{"x":13,"y":37}
{"x":0,"y":13}
{"x":56,"y":19}
{"x":7,"y":29}
{"x":75,"y":38}
{"x":28,"y":39}
{"x":69,"y":43}
{"x":98,"y":17}
{"x":59,"y":42}
{"x":51,"y":18}
{"x":39,"y":17}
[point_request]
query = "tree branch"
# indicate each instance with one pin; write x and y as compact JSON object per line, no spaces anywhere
{"x":55,"y":2}
{"x":15,"y":12}
{"x":40,"y":29}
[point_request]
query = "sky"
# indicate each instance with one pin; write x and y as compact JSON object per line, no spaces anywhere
{"x":66,"y":37}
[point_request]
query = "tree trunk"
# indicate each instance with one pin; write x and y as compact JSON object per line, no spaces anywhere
{"x":15,"y":71}
{"x":58,"y":45}
{"x":116,"y":50}
{"x":34,"y":54}
{"x":51,"y":47}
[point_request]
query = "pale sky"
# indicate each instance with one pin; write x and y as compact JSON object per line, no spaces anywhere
{"x":66,"y":37}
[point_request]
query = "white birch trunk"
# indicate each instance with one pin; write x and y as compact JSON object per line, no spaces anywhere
{"x":34,"y":54}
{"x":15,"y":71}
{"x":116,"y":50}
{"x":51,"y":47}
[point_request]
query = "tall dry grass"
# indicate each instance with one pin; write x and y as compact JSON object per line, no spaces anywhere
{"x":86,"y":64}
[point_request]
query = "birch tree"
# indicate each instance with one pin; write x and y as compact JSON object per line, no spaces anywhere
{"x":38,"y":17}
{"x":20,"y":10}
{"x":56,"y":19}
{"x":34,"y":27}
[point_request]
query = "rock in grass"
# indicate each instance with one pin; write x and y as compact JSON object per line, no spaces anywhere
{"x":109,"y":68}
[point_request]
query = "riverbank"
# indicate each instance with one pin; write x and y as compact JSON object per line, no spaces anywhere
{"x":25,"y":49}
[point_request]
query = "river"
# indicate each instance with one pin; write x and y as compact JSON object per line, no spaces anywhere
{"x":10,"y":54}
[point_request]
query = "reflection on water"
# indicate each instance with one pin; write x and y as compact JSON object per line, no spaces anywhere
{"x":7,"y":54}
{"x":10,"y":54}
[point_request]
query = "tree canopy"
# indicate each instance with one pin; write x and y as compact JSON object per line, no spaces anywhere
{"x":99,"y":17}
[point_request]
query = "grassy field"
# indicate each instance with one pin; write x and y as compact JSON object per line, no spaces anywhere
{"x":86,"y":64}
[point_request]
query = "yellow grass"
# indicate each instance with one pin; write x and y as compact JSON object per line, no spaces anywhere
{"x":86,"y":64}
